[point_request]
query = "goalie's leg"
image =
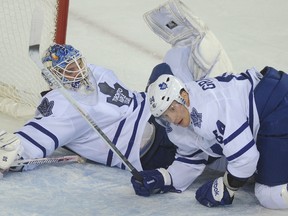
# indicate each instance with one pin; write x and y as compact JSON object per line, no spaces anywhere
{"x":194,"y":47}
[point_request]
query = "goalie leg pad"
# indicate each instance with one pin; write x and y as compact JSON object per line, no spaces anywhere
{"x":179,"y":28}
{"x":208,"y":58}
{"x":10,"y":148}
{"x":169,"y":21}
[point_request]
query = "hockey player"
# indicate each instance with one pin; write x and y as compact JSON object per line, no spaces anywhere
{"x":242,"y":117}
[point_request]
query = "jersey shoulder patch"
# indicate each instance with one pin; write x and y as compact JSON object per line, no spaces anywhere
{"x":196,"y":118}
{"x":45,"y":107}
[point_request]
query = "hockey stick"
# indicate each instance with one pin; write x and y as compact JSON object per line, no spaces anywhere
{"x":51,"y":79}
{"x":38,"y":161}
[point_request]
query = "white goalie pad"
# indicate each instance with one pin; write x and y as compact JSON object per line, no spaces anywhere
{"x":208,"y":58}
{"x":177,"y":26}
{"x":169,"y":22}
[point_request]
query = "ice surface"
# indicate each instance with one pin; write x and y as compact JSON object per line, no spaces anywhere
{"x":112,"y":33}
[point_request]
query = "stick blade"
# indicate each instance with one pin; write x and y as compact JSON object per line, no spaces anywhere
{"x":37,"y":22}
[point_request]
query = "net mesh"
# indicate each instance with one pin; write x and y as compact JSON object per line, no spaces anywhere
{"x":21,"y":81}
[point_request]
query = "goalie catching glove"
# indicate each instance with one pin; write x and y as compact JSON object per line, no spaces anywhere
{"x":10,"y":148}
{"x":154,"y":182}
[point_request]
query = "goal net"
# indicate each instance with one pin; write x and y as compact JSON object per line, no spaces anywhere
{"x":21,"y":82}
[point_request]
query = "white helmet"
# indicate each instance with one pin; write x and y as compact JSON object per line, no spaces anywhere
{"x":163,"y":92}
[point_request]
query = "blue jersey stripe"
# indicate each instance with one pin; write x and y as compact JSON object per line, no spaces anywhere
{"x":33,"y":142}
{"x":251,"y":113}
{"x":117,"y":134}
{"x":228,"y":77}
{"x":236,"y":133}
{"x":195,"y":153}
{"x":132,"y":139}
{"x":251,"y":97}
{"x":46,"y":132}
{"x":135,"y":102}
{"x":115,"y":139}
{"x":241,"y":151}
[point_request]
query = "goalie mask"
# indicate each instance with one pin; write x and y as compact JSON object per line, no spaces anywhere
{"x":69,"y":66}
{"x":163,"y":92}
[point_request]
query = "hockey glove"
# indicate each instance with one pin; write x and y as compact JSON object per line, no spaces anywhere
{"x":215,"y":193}
{"x":9,"y":149}
{"x":154,"y":182}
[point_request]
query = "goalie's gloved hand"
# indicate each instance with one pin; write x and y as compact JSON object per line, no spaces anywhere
{"x":154,"y":181}
{"x":10,"y":148}
{"x":215,"y":193}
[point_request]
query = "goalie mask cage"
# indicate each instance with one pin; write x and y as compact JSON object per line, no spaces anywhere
{"x":21,"y":82}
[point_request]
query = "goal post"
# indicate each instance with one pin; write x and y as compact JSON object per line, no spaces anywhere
{"x":21,"y":82}
{"x":61,"y":21}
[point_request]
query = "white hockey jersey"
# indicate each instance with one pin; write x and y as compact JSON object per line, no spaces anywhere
{"x":120,"y":113}
{"x":224,"y":122}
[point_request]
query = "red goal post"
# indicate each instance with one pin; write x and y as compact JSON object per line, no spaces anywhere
{"x":21,"y":81}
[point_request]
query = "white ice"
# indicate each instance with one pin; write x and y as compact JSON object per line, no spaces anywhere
{"x":112,"y":33}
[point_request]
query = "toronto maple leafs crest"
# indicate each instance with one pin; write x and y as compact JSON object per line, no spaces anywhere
{"x":196,"y":118}
{"x":163,"y":86}
{"x":118,"y":95}
{"x":45,"y":108}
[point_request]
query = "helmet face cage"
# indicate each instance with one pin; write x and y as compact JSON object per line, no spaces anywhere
{"x":67,"y":75}
{"x":163,"y":92}
{"x":67,"y":64}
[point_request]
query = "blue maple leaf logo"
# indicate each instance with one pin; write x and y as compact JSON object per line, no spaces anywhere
{"x":117,"y":94}
{"x":45,"y":108}
{"x":163,"y":86}
{"x":196,"y":118}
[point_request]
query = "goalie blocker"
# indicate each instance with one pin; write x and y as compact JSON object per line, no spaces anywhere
{"x":10,"y":149}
